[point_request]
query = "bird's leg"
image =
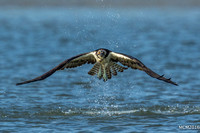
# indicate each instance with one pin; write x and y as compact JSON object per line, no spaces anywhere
{"x":105,"y":78}
{"x":100,"y":72}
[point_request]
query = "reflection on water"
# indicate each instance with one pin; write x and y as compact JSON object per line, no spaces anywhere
{"x":32,"y":41}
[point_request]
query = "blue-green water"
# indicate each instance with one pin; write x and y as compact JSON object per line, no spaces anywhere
{"x":32,"y":41}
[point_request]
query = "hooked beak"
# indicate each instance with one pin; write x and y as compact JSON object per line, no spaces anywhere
{"x":101,"y":54}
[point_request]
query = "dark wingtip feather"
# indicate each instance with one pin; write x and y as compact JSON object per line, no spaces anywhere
{"x":21,"y":83}
{"x":176,"y":84}
{"x":169,"y":81}
{"x":18,"y":83}
{"x":25,"y":82}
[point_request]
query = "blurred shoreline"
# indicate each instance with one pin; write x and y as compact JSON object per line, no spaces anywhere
{"x":101,"y":3}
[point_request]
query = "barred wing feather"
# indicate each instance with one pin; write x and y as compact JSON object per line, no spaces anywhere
{"x":134,"y":63}
{"x":69,"y":63}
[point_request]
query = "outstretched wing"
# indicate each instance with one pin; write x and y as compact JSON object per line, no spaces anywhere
{"x":136,"y":64}
{"x":69,"y":63}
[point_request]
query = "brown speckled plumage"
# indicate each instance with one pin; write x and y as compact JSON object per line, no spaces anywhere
{"x":105,"y":65}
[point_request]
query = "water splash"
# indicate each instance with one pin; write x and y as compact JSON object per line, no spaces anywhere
{"x":143,"y":111}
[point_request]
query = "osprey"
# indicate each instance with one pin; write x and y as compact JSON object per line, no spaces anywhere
{"x":105,"y":65}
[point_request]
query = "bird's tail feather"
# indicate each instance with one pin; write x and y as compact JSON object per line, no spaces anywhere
{"x":106,"y":72}
{"x":95,"y":69}
{"x":118,"y":68}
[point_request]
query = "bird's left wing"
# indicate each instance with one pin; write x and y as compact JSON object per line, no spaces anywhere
{"x":69,"y":63}
{"x":136,"y":64}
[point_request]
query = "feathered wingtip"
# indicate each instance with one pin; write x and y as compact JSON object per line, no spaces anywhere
{"x":18,"y":84}
{"x":167,"y":80}
{"x":162,"y":76}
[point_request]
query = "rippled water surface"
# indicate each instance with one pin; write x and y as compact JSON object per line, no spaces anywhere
{"x":32,"y":41}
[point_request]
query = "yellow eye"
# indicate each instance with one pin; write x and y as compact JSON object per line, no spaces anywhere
{"x":99,"y":52}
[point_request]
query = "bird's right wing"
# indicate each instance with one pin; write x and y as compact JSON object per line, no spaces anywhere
{"x":69,"y":63}
{"x":136,"y":64}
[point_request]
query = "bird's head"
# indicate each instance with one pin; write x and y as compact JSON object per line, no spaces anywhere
{"x":101,"y":53}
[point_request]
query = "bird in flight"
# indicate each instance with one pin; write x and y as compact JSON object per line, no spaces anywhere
{"x":105,"y":65}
